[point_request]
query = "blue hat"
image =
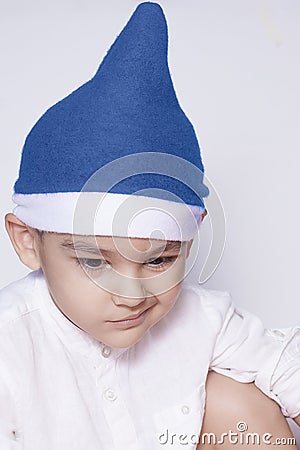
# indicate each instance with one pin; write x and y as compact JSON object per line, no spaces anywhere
{"x":120,"y":137}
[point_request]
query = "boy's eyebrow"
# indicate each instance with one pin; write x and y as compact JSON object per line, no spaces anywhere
{"x":81,"y":246}
{"x":93,"y":249}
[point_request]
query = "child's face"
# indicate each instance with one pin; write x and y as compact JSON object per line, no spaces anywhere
{"x":99,"y":282}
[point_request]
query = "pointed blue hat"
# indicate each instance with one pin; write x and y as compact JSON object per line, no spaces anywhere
{"x":120,"y":136}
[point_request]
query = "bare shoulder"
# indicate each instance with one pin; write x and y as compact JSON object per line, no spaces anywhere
{"x":239,"y":414}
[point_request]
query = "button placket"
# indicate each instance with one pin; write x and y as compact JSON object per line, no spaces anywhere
{"x":114,"y":407}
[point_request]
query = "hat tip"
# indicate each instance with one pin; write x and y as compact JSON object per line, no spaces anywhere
{"x":147,"y":6}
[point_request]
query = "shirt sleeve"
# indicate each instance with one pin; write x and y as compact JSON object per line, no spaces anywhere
{"x":9,"y":437}
{"x":246,"y":351}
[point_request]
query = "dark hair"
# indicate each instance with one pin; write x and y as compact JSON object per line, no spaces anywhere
{"x":40,"y":233}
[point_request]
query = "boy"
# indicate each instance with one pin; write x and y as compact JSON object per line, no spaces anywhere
{"x":102,"y":345}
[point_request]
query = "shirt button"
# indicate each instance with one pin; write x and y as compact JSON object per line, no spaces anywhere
{"x":110,"y":395}
{"x":185,"y":409}
{"x":106,"y":351}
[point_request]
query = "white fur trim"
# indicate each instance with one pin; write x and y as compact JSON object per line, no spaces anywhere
{"x":92,"y":213}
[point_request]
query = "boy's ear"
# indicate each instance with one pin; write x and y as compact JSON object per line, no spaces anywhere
{"x":24,"y":240}
{"x":203,"y":215}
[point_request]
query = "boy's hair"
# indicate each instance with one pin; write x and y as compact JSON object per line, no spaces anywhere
{"x":40,"y":233}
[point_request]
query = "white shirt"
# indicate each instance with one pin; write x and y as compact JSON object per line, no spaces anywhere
{"x":61,"y":389}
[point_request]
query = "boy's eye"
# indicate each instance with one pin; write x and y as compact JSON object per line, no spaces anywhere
{"x":91,"y":263}
{"x":161,"y":261}
{"x":156,"y":262}
{"x":96,"y":263}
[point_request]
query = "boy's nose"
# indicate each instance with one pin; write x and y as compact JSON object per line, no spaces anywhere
{"x":128,"y":290}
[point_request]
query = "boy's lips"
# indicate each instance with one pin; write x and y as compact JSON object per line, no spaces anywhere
{"x":134,"y":316}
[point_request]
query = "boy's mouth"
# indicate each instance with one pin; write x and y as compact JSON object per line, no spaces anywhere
{"x":134,"y":319}
{"x":133,"y":316}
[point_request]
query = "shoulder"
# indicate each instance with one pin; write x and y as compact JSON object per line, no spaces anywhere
{"x":18,"y":298}
{"x":22,"y":333}
{"x":215,"y":305}
{"x":208,"y":298}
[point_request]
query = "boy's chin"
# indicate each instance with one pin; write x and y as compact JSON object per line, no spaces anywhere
{"x":126,"y":338}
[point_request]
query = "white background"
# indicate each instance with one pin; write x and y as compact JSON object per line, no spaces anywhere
{"x":235,"y":66}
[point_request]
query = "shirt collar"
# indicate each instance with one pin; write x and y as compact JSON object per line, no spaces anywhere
{"x":71,"y":335}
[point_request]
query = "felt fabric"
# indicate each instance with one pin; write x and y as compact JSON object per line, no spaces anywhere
{"x":129,"y":107}
{"x":91,"y":213}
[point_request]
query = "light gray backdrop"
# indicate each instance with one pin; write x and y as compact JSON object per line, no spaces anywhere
{"x":236,"y":70}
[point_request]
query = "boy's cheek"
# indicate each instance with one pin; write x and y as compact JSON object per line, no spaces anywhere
{"x":169,"y":280}
{"x":165,"y":284}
